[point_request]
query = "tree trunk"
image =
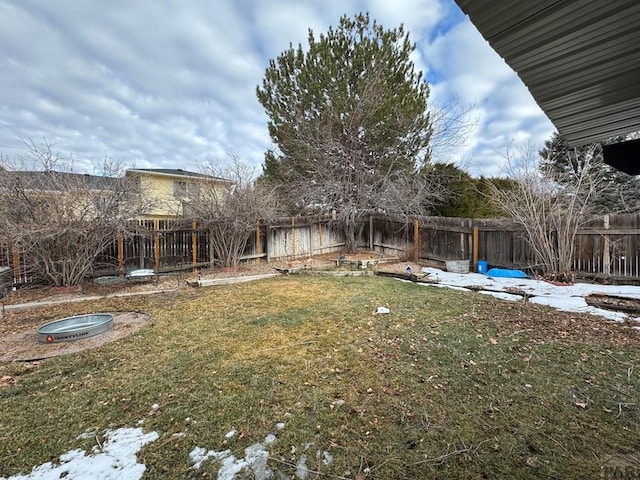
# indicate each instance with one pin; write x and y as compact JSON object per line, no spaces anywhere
{"x":211,"y":248}
{"x":350,"y":238}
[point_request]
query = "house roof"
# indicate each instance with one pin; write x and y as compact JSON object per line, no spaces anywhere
{"x":579,"y":58}
{"x":53,"y":181}
{"x":176,"y":172}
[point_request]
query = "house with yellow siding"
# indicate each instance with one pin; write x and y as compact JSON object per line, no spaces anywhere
{"x":167,"y":191}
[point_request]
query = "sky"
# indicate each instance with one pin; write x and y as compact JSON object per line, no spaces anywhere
{"x":171,"y":83}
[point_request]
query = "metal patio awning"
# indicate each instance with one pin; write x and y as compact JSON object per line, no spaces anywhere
{"x":580,"y":60}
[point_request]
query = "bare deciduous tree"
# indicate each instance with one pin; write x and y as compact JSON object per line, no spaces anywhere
{"x":230,"y":210}
{"x":62,"y":221}
{"x":550,"y":212}
{"x":349,"y":186}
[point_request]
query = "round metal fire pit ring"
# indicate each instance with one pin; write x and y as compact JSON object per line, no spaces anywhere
{"x":69,"y":329}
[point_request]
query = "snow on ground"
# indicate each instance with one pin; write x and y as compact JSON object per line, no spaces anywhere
{"x":255,"y":459}
{"x":569,"y":298}
{"x":116,"y":460}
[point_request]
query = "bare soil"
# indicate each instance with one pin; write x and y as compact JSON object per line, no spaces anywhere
{"x":19,"y":340}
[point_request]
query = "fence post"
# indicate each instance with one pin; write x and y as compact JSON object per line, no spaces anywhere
{"x":320,"y":234}
{"x":606,"y":249}
{"x":120,"y":253}
{"x":293,"y":237}
{"x":194,"y":246}
{"x":371,"y":233}
{"x":156,"y":245}
{"x":16,"y":264}
{"x":416,"y":240}
{"x":258,"y":243}
{"x":476,"y":241}
{"x":268,"y":243}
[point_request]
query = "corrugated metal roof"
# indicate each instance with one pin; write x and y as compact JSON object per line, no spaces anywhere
{"x":579,"y":58}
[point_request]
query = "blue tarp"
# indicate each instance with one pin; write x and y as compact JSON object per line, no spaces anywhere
{"x":506,"y":273}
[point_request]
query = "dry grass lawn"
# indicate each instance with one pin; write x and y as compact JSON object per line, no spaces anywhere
{"x":447,"y":385}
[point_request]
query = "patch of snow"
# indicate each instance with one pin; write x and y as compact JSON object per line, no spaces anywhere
{"x":255,"y":459}
{"x":231,"y":433}
{"x":502,"y":295}
{"x":452,"y":287}
{"x":199,"y":455}
{"x":327,"y":458}
{"x":302,"y":472}
{"x":230,"y":467}
{"x":116,"y":460}
{"x":577,"y":304}
{"x":569,"y":298}
{"x":280,"y":425}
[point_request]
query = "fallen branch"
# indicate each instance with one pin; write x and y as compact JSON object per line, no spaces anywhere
{"x":312,"y":472}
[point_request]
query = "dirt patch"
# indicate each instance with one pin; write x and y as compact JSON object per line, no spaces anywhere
{"x":19,"y":342}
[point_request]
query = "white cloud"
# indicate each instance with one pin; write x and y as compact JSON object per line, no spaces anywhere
{"x":463,"y":65}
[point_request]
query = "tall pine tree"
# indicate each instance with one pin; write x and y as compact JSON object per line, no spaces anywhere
{"x":349,"y":118}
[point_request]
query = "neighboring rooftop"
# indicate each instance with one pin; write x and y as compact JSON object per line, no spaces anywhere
{"x":52,"y":180}
{"x":175,"y":172}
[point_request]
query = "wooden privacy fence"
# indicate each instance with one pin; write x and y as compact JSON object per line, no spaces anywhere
{"x":162,"y":245}
{"x":166,"y":246}
{"x":607,"y":247}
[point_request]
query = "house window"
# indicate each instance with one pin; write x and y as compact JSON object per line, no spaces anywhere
{"x":179,"y":188}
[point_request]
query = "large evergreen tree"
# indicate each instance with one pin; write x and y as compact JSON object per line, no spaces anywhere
{"x":350,"y":121}
{"x":467,"y":197}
